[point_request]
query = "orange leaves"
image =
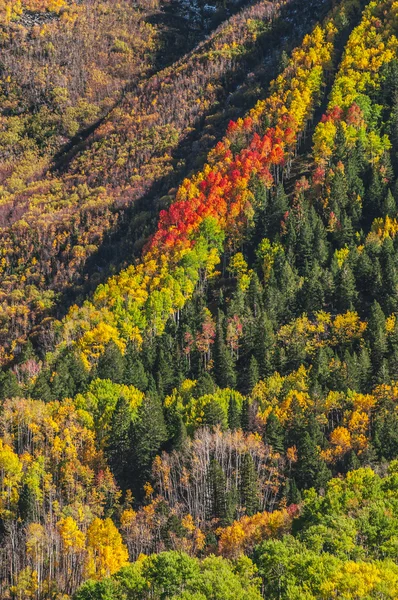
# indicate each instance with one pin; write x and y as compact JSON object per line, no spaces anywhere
{"x":220,"y":194}
{"x":241,"y":537}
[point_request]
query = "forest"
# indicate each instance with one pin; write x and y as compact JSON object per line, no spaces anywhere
{"x":199,"y":300}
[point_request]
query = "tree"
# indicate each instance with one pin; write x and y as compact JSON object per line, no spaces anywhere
{"x":249,"y":486}
{"x":119,"y":441}
{"x":389,"y":206}
{"x":41,"y":389}
{"x":9,"y":387}
{"x":253,"y":374}
{"x":273,"y":434}
{"x":223,"y":361}
{"x":134,"y":373}
{"x":218,"y":483}
{"x":106,"y":551}
{"x":111,"y":363}
{"x":310,"y":469}
{"x":214,"y":414}
{"x":233,"y":414}
{"x":377,"y":336}
{"x":177,"y":431}
{"x":149,"y":433}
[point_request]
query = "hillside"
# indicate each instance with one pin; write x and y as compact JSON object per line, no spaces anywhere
{"x":198,"y":300}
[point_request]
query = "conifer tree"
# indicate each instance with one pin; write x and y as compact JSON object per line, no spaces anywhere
{"x":253,"y":375}
{"x":376,"y":331}
{"x":214,"y":415}
{"x":118,"y":448}
{"x":134,"y":372}
{"x":218,"y":484}
{"x":389,"y":206}
{"x":111,"y":364}
{"x":273,"y":434}
{"x":9,"y":387}
{"x":41,"y":389}
{"x":149,"y":434}
{"x":224,"y":371}
{"x":249,"y":485}
{"x":233,"y":415}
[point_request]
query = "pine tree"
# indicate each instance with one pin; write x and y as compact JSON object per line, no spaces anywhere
{"x":253,"y":375}
{"x":214,"y":415}
{"x":134,"y":372}
{"x":249,"y":485}
{"x":111,"y":364}
{"x":9,"y":387}
{"x":278,"y":207}
{"x":273,"y":434}
{"x":41,"y":389}
{"x":346,"y":293}
{"x":233,"y":414}
{"x":232,"y":501}
{"x":118,"y":448}
{"x":365,"y":370}
{"x":149,"y":434}
{"x":224,"y":371}
{"x":310,"y":469}
{"x":164,"y":372}
{"x":376,"y":332}
{"x":205,"y":385}
{"x":389,"y":206}
{"x":247,"y":415}
{"x":218,"y":484}
{"x":264,"y":345}
{"x":77,"y":371}
{"x":62,"y":385}
{"x":374,"y":197}
{"x":255,"y":295}
{"x":177,"y":431}
{"x":26,"y":504}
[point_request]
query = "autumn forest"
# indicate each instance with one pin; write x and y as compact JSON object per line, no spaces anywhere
{"x":198,"y":300}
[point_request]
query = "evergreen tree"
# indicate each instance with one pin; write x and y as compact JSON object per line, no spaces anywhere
{"x":247,"y":417}
{"x":253,"y":375}
{"x":134,"y":372}
{"x":374,"y":197}
{"x":376,"y":331}
{"x":224,"y":371}
{"x":111,"y":363}
{"x":278,"y":206}
{"x":346,"y":293}
{"x":218,"y":484}
{"x":77,"y":371}
{"x":214,"y":415}
{"x":273,"y":434}
{"x":9,"y":387}
{"x":63,"y":385}
{"x":310,"y":469}
{"x":118,"y":448}
{"x":164,"y":372}
{"x":365,"y":370}
{"x":149,"y":434}
{"x":231,"y":501}
{"x":233,"y":414}
{"x":177,"y":431}
{"x":389,"y":206}
{"x":205,"y":385}
{"x":26,"y":504}
{"x":249,"y":485}
{"x":41,"y":389}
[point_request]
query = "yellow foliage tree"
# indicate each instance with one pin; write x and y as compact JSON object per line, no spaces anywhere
{"x":106,"y":550}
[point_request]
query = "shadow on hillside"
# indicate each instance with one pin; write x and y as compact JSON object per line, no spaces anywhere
{"x":124,"y":245}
